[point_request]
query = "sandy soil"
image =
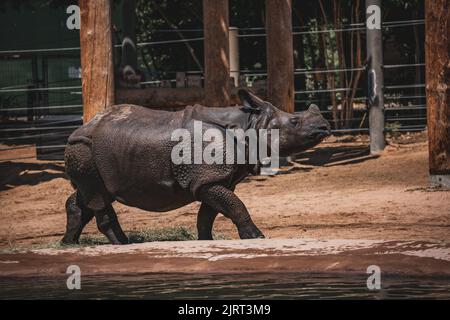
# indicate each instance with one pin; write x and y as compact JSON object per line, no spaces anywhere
{"x":336,"y":191}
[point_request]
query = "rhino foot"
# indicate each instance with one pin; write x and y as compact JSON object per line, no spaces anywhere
{"x":108,"y":224}
{"x":250,"y":231}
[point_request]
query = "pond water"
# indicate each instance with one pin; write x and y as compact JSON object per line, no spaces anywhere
{"x":210,"y":286}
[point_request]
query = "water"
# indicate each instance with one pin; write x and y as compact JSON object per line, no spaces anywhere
{"x":209,"y":286}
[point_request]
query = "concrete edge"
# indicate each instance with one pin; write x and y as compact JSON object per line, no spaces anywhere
{"x":236,"y":256}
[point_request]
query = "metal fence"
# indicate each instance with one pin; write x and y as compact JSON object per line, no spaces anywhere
{"x":41,"y":102}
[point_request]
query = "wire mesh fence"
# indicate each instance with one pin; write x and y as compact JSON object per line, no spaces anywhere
{"x":41,"y":101}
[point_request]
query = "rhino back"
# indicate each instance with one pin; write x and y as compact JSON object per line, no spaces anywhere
{"x":132,"y":147}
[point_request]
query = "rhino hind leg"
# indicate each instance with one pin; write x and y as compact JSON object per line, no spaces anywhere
{"x":83,"y":173}
{"x":108,"y":224}
{"x":93,"y":197}
{"x":78,"y":216}
{"x":225,"y":201}
{"x":205,"y":221}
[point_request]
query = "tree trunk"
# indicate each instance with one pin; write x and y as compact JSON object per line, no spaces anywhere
{"x":341,"y":59}
{"x":331,"y":82}
{"x":437,"y":51}
{"x":280,"y":54}
{"x":96,"y":57}
{"x":418,"y":59}
{"x":354,"y":78}
{"x":216,"y":47}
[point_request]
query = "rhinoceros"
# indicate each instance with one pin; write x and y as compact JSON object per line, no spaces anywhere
{"x":124,"y":154}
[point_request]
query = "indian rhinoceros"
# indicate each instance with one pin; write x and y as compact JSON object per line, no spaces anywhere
{"x":124,"y":154}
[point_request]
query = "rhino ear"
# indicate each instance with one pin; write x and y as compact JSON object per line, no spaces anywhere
{"x":314,"y":109}
{"x":249,"y":100}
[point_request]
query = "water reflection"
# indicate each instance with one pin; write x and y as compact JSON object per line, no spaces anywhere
{"x":210,"y":286}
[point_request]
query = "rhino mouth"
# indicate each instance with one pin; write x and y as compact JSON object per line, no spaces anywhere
{"x":322,"y":133}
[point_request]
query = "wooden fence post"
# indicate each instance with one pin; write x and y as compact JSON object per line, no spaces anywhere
{"x":437,"y":56}
{"x":280,"y":54}
{"x":234,"y":55}
{"x":375,"y":78}
{"x":216,"y":50}
{"x":96,"y":56}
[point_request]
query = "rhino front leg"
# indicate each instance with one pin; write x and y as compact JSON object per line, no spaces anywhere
{"x":225,"y":201}
{"x":205,"y":221}
{"x":108,"y":224}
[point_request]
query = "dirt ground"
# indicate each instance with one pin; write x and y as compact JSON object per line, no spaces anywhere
{"x":336,"y":191}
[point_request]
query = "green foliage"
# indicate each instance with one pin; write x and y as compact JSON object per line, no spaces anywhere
{"x":158,"y":21}
{"x":162,"y":234}
{"x":392,"y":129}
{"x":177,"y":233}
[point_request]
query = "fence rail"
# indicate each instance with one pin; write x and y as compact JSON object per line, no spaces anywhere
{"x":28,"y":125}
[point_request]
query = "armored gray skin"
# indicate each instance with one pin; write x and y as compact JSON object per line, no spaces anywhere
{"x":124,"y":154}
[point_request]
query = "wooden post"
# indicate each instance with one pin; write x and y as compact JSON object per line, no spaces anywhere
{"x":374,"y":44}
{"x":216,"y":51}
{"x":437,"y":56}
{"x":96,"y":57}
{"x":234,"y":55}
{"x":280,"y":54}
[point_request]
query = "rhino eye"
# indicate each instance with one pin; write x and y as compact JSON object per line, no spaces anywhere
{"x":295,"y":121}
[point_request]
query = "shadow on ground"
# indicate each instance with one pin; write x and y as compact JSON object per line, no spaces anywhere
{"x":13,"y":174}
{"x":335,"y":156}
